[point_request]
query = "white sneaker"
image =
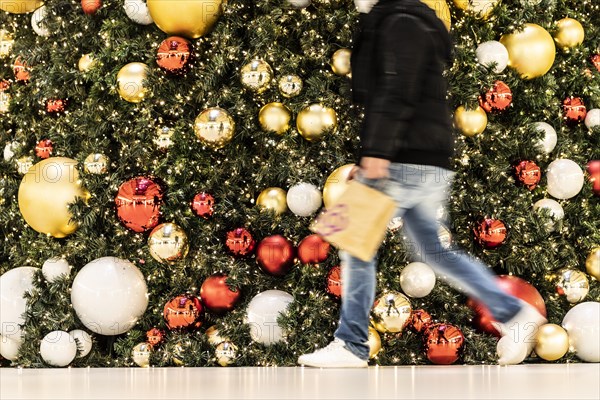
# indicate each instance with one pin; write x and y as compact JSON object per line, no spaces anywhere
{"x":518,"y":335}
{"x":334,"y":355}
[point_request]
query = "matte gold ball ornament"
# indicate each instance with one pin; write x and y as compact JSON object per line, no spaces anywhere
{"x":275,"y":117}
{"x":391,"y":312}
{"x":531,"y":51}
{"x":86,"y":63}
{"x":214,"y":127}
{"x":336,"y":184}
{"x":592,"y":263}
{"x":6,"y":42}
{"x":20,"y":6}
{"x":569,"y":33}
{"x":470,"y":122}
{"x":130,"y":81}
{"x":290,"y":85}
{"x":168,"y":243}
{"x":340,"y":62}
{"x":188,"y":18}
{"x":315,"y":121}
{"x":552,"y":342}
{"x":256,"y":75}
{"x":273,"y":198}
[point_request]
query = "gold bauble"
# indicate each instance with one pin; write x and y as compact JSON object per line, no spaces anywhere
{"x":96,"y":164}
{"x":275,"y":117}
{"x":470,"y":122}
{"x":290,"y":85}
{"x":315,"y":121}
{"x":481,"y":8}
{"x":141,"y":354}
{"x":130,"y":80}
{"x":340,"y":62}
{"x":226,"y":353}
{"x":86,"y":62}
{"x":6,"y":42}
{"x":45,"y":193}
{"x":573,"y":284}
{"x":391,"y":312}
{"x":187,"y":18}
{"x":4,"y":102}
{"x":214,"y":337}
{"x":24,"y":163}
{"x":570,"y":33}
{"x":256,"y":75}
{"x":164,"y":138}
{"x":168,"y":243}
{"x":530,"y":51}
{"x":273,"y":198}
{"x":336,"y":184}
{"x":442,"y":11}
{"x":552,"y":342}
{"x":592,"y":263}
{"x":214,"y":127}
{"x":374,"y":342}
{"x":20,"y":6}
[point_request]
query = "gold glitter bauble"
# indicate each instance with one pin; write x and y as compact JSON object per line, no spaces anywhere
{"x":214,"y":127}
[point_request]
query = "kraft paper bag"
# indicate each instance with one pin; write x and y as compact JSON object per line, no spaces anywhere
{"x":357,"y":222}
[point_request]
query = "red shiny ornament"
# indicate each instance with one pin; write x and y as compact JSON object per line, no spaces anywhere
{"x":443,"y":343}
{"x":528,"y":173}
{"x":203,"y":205}
{"x":138,"y":204}
{"x":184,"y":311}
{"x":420,"y":320}
{"x":44,"y":148}
{"x":515,"y":286}
{"x":155,"y":336}
{"x":21,"y":70}
{"x":334,"y":282}
{"x":593,"y":168}
{"x":574,"y":110}
{"x":91,"y":6}
{"x":490,"y":233}
{"x":55,"y":105}
{"x":216,"y":294}
{"x":596,"y":61}
{"x":497,"y":99}
{"x":174,"y":54}
{"x":313,"y":249}
{"x":275,"y":255}
{"x":240,"y":242}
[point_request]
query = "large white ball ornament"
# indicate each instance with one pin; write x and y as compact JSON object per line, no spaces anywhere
{"x":565,"y":178}
{"x":83,"y":341}
{"x":58,"y":348}
{"x":55,"y":267}
{"x":109,"y":295}
{"x":592,"y":118}
{"x":38,"y":22}
{"x":262,"y":314}
{"x":582,"y":323}
{"x":303,"y":199}
{"x":9,"y":348}
{"x":492,"y":52}
{"x":14,"y":284}
{"x":300,"y":3}
{"x":417,"y":279}
{"x":556,"y":212}
{"x":137,"y":11}
{"x":548,"y":142}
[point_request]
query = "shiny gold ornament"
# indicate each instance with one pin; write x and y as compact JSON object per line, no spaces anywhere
{"x":214,"y":336}
{"x":4,"y":102}
{"x":214,"y":127}
{"x":45,"y":193}
{"x":6,"y":42}
{"x":164,"y":138}
{"x":86,"y":63}
{"x":374,"y":342}
{"x":130,"y":80}
{"x":552,"y":342}
{"x":187,"y":18}
{"x":256,"y":75}
{"x":20,"y":6}
{"x":290,"y":85}
{"x":470,"y":122}
{"x":141,"y":354}
{"x":96,"y":164}
{"x":226,"y":353}
{"x":442,"y":11}
{"x":24,"y":163}
{"x":275,"y":117}
{"x":340,"y":62}
{"x":168,"y":243}
{"x":592,"y":263}
{"x":570,"y":33}
{"x":273,"y":198}
{"x":481,"y":8}
{"x":391,"y":312}
{"x":531,"y":51}
{"x":315,"y":121}
{"x":336,"y":184}
{"x":573,"y":284}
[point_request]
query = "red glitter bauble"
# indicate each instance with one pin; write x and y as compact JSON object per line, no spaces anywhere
{"x":420,"y":320}
{"x":174,"y":54}
{"x":21,"y":70}
{"x":313,"y":249}
{"x":443,"y":343}
{"x":334,"y":281}
{"x":55,"y":105}
{"x":593,"y":168}
{"x":138,"y":204}
{"x":275,"y":255}
{"x":184,"y":311}
{"x":497,"y":99}
{"x":574,"y":110}
{"x":491,"y":233}
{"x":91,"y":6}
{"x":155,"y":336}
{"x":240,"y":242}
{"x":44,"y":148}
{"x":203,"y":205}
{"x":217,"y":296}
{"x":528,"y":173}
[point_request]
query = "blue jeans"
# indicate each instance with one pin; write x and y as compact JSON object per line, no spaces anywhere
{"x":419,"y":191}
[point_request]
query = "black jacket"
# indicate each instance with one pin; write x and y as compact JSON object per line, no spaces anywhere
{"x":398,"y":60}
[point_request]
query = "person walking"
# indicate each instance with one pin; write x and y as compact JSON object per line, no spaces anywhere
{"x":406,"y":141}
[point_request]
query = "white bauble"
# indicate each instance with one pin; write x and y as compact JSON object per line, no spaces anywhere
{"x":54,"y":268}
{"x":141,"y":354}
{"x":300,"y":3}
{"x":592,"y":118}
{"x":58,"y":348}
{"x":14,"y":284}
{"x":137,"y":11}
{"x":565,"y":178}
{"x":582,"y":323}
{"x":9,"y":150}
{"x":262,"y":314}
{"x":303,"y":199}
{"x":548,"y":142}
{"x":556,"y":212}
{"x":509,"y":352}
{"x":492,"y":52}
{"x":109,"y":295}
{"x":37,"y":21}
{"x":9,"y":348}
{"x":417,"y":279}
{"x":83,"y":341}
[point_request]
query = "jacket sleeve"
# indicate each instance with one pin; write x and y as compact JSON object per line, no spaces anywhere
{"x":402,"y":49}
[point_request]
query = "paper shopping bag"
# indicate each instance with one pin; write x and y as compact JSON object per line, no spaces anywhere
{"x":357,"y":222}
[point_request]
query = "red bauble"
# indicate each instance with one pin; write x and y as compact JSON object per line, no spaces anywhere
{"x":497,"y":99}
{"x":593,"y":168}
{"x":313,"y":249}
{"x":138,"y":204}
{"x":528,"y":173}
{"x":91,"y":6}
{"x":217,"y":296}
{"x":275,"y":255}
{"x":44,"y":148}
{"x":334,"y":282}
{"x":155,"y":336}
{"x":21,"y":70}
{"x":515,"y":286}
{"x":184,"y":311}
{"x":203,"y":205}
{"x":420,"y":320}
{"x":490,"y":233}
{"x":574,"y":110}
{"x":240,"y":242}
{"x":596,"y":61}
{"x":55,"y":105}
{"x":443,"y":343}
{"x":174,"y":54}
{"x":4,"y":85}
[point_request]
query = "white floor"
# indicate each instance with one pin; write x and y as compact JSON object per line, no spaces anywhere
{"x":551,"y":381}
